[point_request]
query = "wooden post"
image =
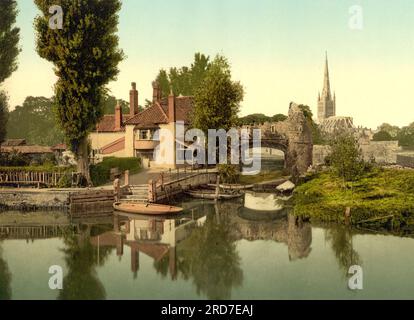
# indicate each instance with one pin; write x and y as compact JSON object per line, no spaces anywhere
{"x":217,"y":188}
{"x":151,"y":191}
{"x":127,"y":177}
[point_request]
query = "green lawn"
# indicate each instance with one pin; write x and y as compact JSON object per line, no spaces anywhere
{"x":380,"y":193}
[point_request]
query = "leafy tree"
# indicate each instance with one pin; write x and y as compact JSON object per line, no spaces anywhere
{"x":85,"y":55}
{"x":35,"y":122}
{"x":279,"y":117}
{"x":184,"y":80}
{"x":393,"y":131}
{"x":9,"y":39}
{"x":382,"y":136}
{"x":9,"y":50}
{"x":346,"y":157}
{"x":406,"y":136}
{"x":217,"y":100}
{"x":3,"y":115}
{"x":109,"y":103}
{"x":255,"y":118}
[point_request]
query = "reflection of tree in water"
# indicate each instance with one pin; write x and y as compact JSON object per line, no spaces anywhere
{"x":341,"y":242}
{"x":81,"y":281}
{"x":209,"y":257}
{"x":5,"y":278}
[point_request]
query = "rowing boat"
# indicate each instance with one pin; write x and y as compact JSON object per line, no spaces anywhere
{"x":147,"y":208}
{"x":211,"y":194}
{"x":232,"y":186}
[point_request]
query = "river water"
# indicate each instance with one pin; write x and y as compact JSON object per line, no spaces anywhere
{"x":232,"y":250}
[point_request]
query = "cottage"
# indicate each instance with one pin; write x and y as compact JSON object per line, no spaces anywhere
{"x":134,"y":134}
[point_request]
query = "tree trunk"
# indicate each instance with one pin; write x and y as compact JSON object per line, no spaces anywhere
{"x":83,"y":161}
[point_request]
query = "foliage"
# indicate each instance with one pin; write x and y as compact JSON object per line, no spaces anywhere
{"x":65,"y":181}
{"x":217,"y":100}
{"x":14,"y":159}
{"x":317,"y":135}
{"x":184,"y":80}
{"x":100,"y":173}
{"x":382,"y":136}
{"x":9,"y":50}
{"x":109,"y":102}
{"x":35,"y":122}
{"x":228,"y":173}
{"x":260,"y":118}
{"x":85,"y":56}
{"x":4,"y":115}
{"x":404,"y":135}
{"x":346,"y":158}
{"x":9,"y":39}
{"x":379,"y":193}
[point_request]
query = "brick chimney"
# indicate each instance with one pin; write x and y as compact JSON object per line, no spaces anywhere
{"x":171,"y":108}
{"x":118,"y":117}
{"x":156,"y":92}
{"x":133,"y":100}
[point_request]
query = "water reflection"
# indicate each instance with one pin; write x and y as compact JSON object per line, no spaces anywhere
{"x":208,"y":247}
{"x":5,"y":278}
{"x":81,"y":281}
{"x":340,"y":238}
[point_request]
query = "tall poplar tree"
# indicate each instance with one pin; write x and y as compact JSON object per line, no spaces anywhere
{"x":85,"y":55}
{"x":9,"y":50}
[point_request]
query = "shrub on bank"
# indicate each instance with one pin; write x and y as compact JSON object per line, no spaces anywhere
{"x":100,"y":173}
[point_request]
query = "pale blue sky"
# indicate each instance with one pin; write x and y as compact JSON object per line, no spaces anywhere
{"x":276,"y":49}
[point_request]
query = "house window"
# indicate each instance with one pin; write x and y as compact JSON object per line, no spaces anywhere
{"x":144,"y":135}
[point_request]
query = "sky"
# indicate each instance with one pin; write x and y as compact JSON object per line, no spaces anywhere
{"x":276,"y":49}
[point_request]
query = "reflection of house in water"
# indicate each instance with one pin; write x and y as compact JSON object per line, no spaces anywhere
{"x":154,"y":237}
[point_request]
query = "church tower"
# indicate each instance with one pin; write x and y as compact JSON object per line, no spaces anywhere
{"x":326,"y":103}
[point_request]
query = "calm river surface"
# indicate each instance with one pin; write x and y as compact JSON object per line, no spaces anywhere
{"x":224,"y":251}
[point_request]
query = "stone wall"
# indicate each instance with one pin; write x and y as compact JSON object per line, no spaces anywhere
{"x":384,"y":152}
{"x":33,"y":200}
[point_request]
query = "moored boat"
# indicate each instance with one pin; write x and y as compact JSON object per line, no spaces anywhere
{"x":147,"y":208}
{"x":237,"y":187}
{"x":211,"y":194}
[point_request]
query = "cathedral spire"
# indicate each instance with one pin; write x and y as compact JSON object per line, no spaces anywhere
{"x":326,"y":93}
{"x":326,"y":103}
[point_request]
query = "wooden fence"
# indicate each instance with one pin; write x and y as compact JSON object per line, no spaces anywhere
{"x":48,"y":179}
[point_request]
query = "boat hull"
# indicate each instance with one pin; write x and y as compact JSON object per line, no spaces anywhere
{"x":147,"y":209}
{"x":199,"y":194}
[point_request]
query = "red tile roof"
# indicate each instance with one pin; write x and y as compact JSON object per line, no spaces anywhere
{"x":107,"y":124}
{"x":152,"y":115}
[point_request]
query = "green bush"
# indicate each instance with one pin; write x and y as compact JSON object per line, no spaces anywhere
{"x":228,"y":173}
{"x":100,"y":173}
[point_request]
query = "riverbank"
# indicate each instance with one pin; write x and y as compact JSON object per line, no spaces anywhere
{"x":381,"y":198}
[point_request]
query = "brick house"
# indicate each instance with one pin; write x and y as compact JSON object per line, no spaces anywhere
{"x":132,"y":135}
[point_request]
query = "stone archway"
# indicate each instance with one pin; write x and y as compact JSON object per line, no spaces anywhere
{"x":292,"y":136}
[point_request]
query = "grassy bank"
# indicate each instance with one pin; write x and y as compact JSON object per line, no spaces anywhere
{"x":381,"y":193}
